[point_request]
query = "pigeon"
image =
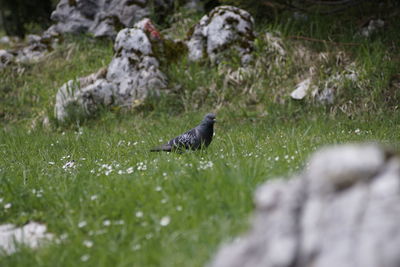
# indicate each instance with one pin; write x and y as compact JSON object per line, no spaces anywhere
{"x":194,"y":139}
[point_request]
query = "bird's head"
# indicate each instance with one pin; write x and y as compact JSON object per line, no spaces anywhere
{"x":209,"y":118}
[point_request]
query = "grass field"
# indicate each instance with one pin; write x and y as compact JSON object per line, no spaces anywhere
{"x":110,"y":202}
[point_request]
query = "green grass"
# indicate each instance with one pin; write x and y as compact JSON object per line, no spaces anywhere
{"x":207,"y":195}
{"x":27,"y":91}
{"x":261,"y":134}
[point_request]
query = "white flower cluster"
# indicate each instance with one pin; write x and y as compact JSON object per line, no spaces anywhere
{"x":203,"y":165}
{"x":141,"y":166}
{"x":107,"y":169}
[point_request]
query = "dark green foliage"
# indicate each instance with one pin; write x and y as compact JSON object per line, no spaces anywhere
{"x":18,"y":15}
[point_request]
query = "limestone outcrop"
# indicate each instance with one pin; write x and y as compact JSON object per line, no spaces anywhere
{"x":342,"y":210}
{"x":132,"y":75}
{"x":224,"y":29}
{"x":105,"y":18}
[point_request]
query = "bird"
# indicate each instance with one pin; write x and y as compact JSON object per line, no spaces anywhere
{"x":194,"y":139}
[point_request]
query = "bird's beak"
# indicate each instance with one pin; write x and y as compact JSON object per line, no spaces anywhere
{"x":214,"y":120}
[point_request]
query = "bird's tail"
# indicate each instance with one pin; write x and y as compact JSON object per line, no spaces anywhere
{"x":166,"y":148}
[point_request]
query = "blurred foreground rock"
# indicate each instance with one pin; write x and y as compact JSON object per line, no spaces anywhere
{"x":31,"y":235}
{"x":343,"y":210}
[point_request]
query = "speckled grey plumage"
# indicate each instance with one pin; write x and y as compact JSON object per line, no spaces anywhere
{"x":196,"y":138}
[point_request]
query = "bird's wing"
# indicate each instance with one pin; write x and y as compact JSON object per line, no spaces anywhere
{"x":187,"y":140}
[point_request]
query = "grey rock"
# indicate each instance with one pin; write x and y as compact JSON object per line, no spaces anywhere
{"x":132,"y":75}
{"x":104,"y":18}
{"x":83,"y":97}
{"x":6,"y":58}
{"x":5,"y":40}
{"x":326,"y":96}
{"x":38,"y":47}
{"x":31,"y":235}
{"x":343,"y":210}
{"x":302,"y":89}
{"x":134,"y":69}
{"x":371,"y":27}
{"x":224,"y":28}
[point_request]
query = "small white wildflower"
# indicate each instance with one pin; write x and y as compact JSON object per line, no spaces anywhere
{"x":94,"y":197}
{"x":121,"y":172}
{"x":1,"y":200}
{"x":276,"y":158}
{"x":139,"y":214}
{"x":141,"y":166}
{"x":8,"y":205}
{"x":205,"y":165}
{"x":129,"y":170}
{"x":357,"y":131}
{"x":165,"y":221}
{"x":106,"y":222}
{"x":69,"y":165}
{"x":149,"y":236}
{"x":179,"y":208}
{"x":85,"y":257}
{"x":286,"y":156}
{"x":164,"y":174}
{"x":164,"y":200}
{"x":63,"y":236}
{"x":82,"y":224}
{"x":52,"y":162}
{"x":88,"y":243}
{"x":158,"y":188}
{"x":136,"y":247}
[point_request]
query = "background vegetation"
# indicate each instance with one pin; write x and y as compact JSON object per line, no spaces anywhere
{"x":108,"y":200}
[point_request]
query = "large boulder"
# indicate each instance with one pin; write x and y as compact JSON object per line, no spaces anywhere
{"x":6,"y":58}
{"x":134,"y":72}
{"x":106,"y":17}
{"x":343,"y":210}
{"x":32,"y":235}
{"x":224,"y":29}
{"x":132,"y":75}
